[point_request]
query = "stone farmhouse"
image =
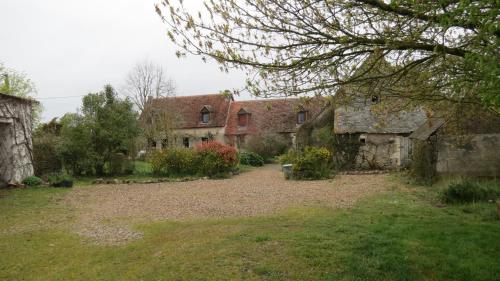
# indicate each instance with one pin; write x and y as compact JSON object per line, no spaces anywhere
{"x":219,"y":117}
{"x":16,"y":146}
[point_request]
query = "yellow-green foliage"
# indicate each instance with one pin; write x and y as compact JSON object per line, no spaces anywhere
{"x":174,"y":162}
{"x":313,"y":163}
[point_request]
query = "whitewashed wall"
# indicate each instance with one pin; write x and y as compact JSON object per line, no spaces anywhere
{"x":16,"y":147}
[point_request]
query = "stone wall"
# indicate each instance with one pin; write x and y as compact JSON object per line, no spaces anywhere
{"x":382,"y":151}
{"x":475,"y":155}
{"x":16,"y":147}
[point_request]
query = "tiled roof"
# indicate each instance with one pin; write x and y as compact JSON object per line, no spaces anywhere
{"x":187,"y":109}
{"x":270,"y":116}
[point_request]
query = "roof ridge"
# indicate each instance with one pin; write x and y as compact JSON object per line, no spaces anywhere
{"x":273,"y":99}
{"x":189,"y":96}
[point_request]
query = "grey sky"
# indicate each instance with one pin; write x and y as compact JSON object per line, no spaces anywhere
{"x":73,"y":47}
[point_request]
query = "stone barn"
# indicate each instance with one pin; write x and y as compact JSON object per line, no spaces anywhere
{"x":16,"y":147}
{"x":383,"y":138}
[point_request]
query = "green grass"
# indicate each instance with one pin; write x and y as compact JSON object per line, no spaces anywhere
{"x":401,"y":235}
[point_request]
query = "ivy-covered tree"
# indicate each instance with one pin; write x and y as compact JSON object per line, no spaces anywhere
{"x":439,"y":51}
{"x":105,"y":126}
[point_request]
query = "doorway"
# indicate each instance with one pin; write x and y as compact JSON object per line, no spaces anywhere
{"x":6,"y":161}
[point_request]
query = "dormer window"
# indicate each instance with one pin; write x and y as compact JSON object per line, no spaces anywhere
{"x":205,"y":115}
{"x":301,"y":117}
{"x":243,"y":117}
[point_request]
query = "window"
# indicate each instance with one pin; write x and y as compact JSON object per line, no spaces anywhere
{"x":204,"y":140}
{"x":362,"y":139}
{"x":242,"y":120}
{"x":301,"y":117}
{"x":185,"y":142}
{"x":205,"y":117}
{"x":240,"y":141}
{"x":152,"y":143}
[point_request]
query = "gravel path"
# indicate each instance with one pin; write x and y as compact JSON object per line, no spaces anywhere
{"x":105,"y":211}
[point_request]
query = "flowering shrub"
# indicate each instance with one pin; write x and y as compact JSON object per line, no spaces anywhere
{"x":228,"y":153}
{"x":209,"y":159}
{"x":216,"y":159}
{"x":313,"y":163}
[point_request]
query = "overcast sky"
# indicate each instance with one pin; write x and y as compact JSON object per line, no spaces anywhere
{"x":73,"y":47}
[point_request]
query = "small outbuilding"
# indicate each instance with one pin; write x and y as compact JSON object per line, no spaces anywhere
{"x":476,"y":154}
{"x":383,"y":138}
{"x":16,"y":146}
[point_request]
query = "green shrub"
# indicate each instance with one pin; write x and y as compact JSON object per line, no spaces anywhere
{"x":468,"y":190}
{"x":311,"y":164}
{"x":211,"y":159}
{"x":60,"y":180}
{"x":268,"y":146}
{"x":45,"y":157}
{"x":32,"y":181}
{"x":251,"y":159}
{"x":174,"y":162}
{"x":120,"y":164}
{"x":422,"y":168}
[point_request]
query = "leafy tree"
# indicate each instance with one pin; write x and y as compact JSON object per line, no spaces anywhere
{"x":17,"y":84}
{"x":106,"y":125}
{"x":439,"y":51}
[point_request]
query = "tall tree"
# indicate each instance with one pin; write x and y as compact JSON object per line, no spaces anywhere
{"x":438,"y":50}
{"x":147,"y":80}
{"x":106,"y":125}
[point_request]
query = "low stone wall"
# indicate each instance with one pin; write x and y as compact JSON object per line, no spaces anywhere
{"x":475,"y":155}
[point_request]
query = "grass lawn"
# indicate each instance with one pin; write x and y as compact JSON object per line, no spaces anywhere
{"x":400,"y":235}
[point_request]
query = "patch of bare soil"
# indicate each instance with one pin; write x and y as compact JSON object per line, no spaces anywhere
{"x":258,"y":192}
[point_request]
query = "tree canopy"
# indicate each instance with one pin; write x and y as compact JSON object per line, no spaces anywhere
{"x":438,"y":50}
{"x":106,"y":125}
{"x":16,"y":83}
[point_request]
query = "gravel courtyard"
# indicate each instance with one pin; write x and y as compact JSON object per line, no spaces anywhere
{"x":105,"y":212}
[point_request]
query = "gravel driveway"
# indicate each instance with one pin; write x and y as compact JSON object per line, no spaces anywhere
{"x":106,"y":211}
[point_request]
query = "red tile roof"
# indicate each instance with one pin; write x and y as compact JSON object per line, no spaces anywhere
{"x":187,"y":109}
{"x":271,"y":116}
